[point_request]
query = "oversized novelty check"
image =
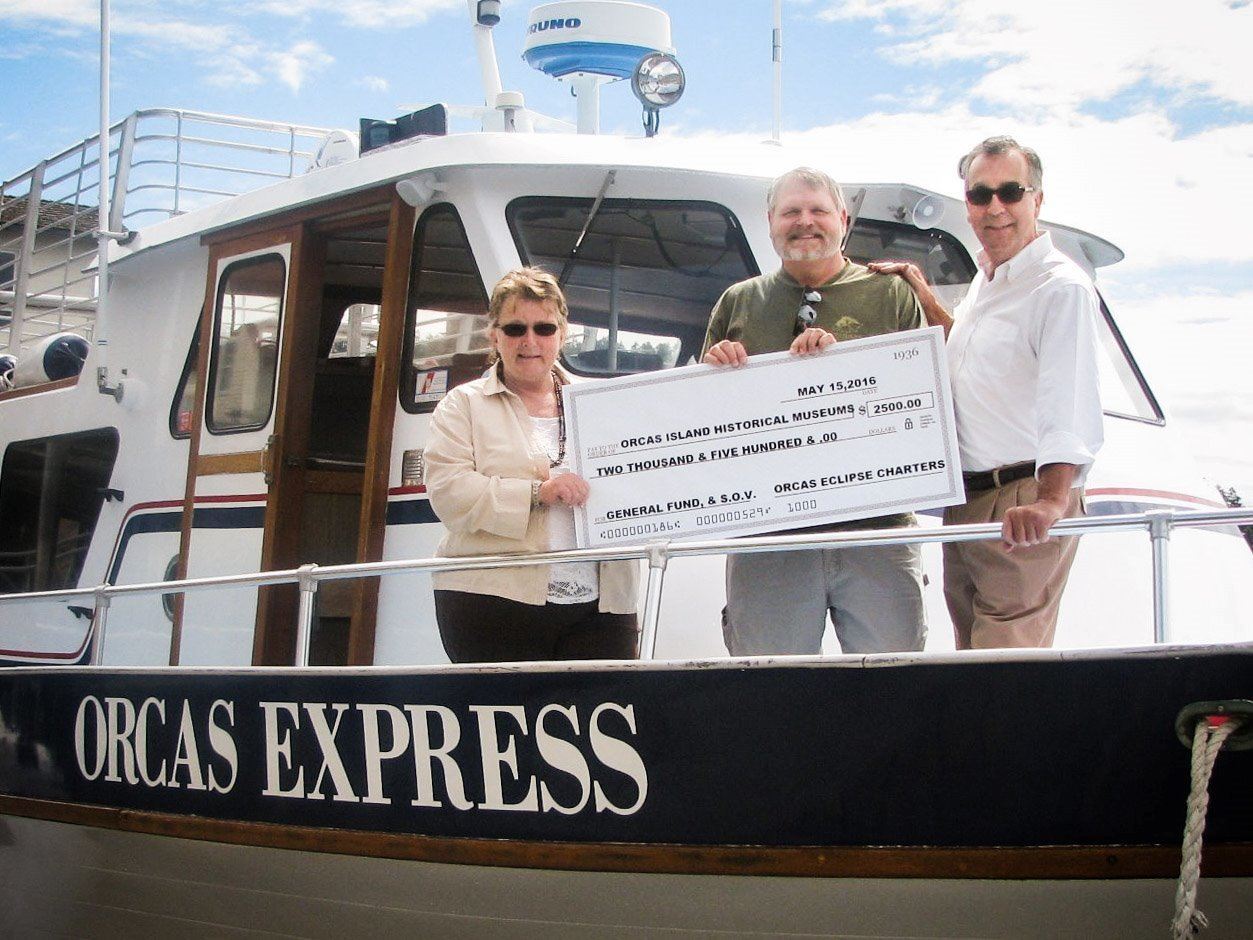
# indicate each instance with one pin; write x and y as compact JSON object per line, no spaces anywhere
{"x":863,"y":429}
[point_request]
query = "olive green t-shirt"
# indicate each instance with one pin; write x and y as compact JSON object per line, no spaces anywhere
{"x":761,"y":313}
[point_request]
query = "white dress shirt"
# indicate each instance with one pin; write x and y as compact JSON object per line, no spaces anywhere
{"x":1023,"y":363}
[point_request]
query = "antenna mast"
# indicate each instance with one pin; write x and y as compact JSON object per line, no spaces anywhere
{"x":100,"y":332}
{"x":485,"y":14}
{"x":776,"y":55}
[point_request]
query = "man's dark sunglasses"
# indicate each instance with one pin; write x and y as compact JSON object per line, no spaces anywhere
{"x":518,"y":330}
{"x":806,"y":315}
{"x":1007,"y":193}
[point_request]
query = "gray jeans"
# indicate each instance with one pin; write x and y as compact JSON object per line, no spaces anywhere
{"x":777,"y":602}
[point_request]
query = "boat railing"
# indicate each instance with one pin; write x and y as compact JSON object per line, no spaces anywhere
{"x":161,"y":163}
{"x":1158,"y":524}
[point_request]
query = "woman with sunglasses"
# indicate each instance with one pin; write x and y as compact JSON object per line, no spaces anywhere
{"x":498,"y":478}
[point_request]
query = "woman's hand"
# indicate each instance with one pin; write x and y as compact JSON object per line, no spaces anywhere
{"x":565,"y":489}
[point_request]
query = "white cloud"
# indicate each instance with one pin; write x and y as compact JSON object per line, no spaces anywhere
{"x":228,"y":54}
{"x":294,"y":65}
{"x":1163,"y":199}
{"x":363,"y":13}
{"x":76,"y":12}
{"x":1195,"y":349}
{"x":232,"y":67}
{"x":1062,"y":54}
{"x":913,"y":96}
{"x":374,"y":83}
{"x":162,"y":32}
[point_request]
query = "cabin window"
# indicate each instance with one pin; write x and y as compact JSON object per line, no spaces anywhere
{"x":940,"y":256}
{"x":1125,"y":392}
{"x":446,"y":320}
{"x":343,"y":384}
{"x":245,"y":355}
{"x":184,"y":407}
{"x":7,"y":269}
{"x":358,"y":332}
{"x":642,"y":283}
{"x":51,"y":491}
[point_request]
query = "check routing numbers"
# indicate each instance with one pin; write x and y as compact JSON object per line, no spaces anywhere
{"x":798,"y":440}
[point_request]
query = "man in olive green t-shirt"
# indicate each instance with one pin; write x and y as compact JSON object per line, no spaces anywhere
{"x":777,"y":602}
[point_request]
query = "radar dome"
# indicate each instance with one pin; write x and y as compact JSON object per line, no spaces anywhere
{"x":594,"y":37}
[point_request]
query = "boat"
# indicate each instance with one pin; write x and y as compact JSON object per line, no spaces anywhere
{"x":224,"y":704}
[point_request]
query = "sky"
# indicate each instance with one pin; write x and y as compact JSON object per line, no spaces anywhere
{"x":1141,"y":109}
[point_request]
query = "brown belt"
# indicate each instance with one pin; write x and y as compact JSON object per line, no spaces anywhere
{"x":995,"y":479}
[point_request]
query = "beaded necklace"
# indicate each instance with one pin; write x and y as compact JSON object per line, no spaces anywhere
{"x":561,"y":425}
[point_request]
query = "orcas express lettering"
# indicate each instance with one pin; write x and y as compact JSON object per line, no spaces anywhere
{"x":494,"y":756}
{"x":134,"y":745}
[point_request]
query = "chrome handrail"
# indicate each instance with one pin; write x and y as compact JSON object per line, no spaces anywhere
{"x":173,"y":166}
{"x":1157,"y":523}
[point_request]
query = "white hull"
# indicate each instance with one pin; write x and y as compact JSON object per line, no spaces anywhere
{"x":66,"y":880}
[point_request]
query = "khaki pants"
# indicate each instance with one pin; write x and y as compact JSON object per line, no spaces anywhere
{"x":998,"y":598}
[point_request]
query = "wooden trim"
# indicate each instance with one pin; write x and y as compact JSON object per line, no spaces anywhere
{"x":377,"y":196}
{"x":274,"y":641}
{"x":378,"y":214}
{"x":342,"y":482}
{"x":248,"y":461}
{"x":217,"y":253}
{"x":1012,"y":863}
{"x":52,"y":386}
{"x":372,"y":529}
{"x":193,"y":452}
{"x":242,"y":242}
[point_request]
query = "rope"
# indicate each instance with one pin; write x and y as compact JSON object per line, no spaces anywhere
{"x":1208,"y":738}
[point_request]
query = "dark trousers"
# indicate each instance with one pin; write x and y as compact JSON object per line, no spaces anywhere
{"x":484,"y":628}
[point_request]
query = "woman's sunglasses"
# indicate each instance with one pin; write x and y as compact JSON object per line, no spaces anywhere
{"x":1007,"y":193}
{"x":518,"y":330}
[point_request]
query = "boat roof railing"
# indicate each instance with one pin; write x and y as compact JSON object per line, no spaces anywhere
{"x":1157,"y":523}
{"x":162,"y":162}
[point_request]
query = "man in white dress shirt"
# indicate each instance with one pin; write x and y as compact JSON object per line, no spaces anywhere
{"x":1023,"y":366}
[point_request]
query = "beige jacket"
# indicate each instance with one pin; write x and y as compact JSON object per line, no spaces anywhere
{"x":480,"y":461}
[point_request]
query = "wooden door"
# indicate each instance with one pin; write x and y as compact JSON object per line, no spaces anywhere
{"x":234,"y":502}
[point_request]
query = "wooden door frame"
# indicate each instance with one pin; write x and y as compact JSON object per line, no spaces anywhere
{"x":304,"y":230}
{"x":275,"y":635}
{"x":198,"y":465}
{"x":372,"y":530}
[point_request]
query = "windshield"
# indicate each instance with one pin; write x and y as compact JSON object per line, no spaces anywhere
{"x":644,"y":279}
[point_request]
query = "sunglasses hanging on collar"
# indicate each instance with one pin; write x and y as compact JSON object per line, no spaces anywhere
{"x":806,"y":315}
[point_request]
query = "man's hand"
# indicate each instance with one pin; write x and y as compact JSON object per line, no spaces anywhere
{"x":811,"y":341}
{"x":906,"y":269}
{"x":1024,"y":526}
{"x":728,"y":352}
{"x":932,"y":309}
{"x":564,"y":489}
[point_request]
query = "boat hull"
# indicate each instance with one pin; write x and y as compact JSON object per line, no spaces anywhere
{"x":74,"y":880}
{"x":983,"y":794}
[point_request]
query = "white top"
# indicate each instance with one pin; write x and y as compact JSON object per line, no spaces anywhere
{"x":1023,"y":364}
{"x":572,"y":582}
